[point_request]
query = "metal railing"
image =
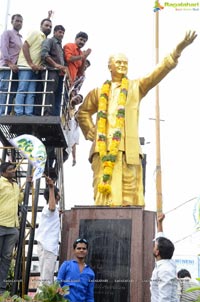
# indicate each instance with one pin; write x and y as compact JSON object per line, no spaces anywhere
{"x":44,"y":92}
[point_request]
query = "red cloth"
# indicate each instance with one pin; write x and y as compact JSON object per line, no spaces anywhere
{"x":71,"y":49}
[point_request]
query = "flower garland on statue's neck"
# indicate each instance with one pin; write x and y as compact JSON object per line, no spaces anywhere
{"x":109,"y":158}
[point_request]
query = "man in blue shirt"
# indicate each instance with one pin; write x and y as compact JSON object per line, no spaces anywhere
{"x":78,"y":275}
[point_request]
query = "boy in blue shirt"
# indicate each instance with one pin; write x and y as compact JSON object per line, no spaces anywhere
{"x":77,"y":274}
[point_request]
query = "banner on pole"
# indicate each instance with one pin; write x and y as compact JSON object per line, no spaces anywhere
{"x":32,"y":149}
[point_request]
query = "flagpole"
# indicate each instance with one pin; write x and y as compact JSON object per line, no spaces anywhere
{"x":157,"y":123}
{"x":7,"y":14}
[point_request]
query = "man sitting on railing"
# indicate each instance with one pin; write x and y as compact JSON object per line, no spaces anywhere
{"x":10,"y":46}
{"x":75,"y":89}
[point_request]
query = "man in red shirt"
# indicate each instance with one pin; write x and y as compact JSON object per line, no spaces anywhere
{"x":75,"y":57}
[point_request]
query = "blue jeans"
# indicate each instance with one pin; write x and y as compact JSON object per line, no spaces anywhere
{"x":53,"y":99}
{"x":22,"y":97}
{"x":4,"y":86}
{"x":8,"y":239}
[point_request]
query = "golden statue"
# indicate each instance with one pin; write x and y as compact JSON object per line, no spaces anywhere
{"x":116,"y":154}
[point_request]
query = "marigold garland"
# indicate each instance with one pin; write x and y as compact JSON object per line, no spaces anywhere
{"x":109,"y":158}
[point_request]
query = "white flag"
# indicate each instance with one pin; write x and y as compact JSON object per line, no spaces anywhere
{"x":32,"y":149}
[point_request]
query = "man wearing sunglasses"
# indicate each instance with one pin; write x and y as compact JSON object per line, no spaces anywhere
{"x":77,"y":274}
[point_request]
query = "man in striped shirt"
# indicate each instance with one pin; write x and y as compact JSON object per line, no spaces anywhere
{"x":185,"y":282}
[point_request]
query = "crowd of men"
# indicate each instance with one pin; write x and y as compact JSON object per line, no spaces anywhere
{"x":40,"y":64}
{"x":41,"y":77}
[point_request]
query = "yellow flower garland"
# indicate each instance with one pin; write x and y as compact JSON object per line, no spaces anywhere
{"x":109,"y":158}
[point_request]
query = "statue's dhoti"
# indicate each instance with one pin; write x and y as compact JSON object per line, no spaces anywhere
{"x":126,"y":183}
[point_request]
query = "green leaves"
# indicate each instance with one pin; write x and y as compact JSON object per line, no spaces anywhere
{"x":109,"y":157}
{"x":52,"y":293}
{"x":192,"y":289}
{"x":27,"y":298}
{"x":48,"y":293}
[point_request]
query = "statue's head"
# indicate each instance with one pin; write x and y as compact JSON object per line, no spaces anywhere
{"x":118,"y":64}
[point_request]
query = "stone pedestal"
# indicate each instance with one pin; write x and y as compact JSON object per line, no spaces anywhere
{"x":120,"y":249}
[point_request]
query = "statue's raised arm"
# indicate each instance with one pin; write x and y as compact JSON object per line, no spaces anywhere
{"x":190,"y":36}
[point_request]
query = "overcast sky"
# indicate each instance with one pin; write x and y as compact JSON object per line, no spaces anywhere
{"x":128,"y":26}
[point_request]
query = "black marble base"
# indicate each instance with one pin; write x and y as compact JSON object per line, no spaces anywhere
{"x":109,"y":256}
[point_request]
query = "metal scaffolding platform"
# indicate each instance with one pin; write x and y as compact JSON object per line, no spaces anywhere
{"x":48,"y":129}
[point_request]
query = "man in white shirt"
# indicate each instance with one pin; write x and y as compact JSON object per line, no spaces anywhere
{"x":163,"y":281}
{"x":186,"y":282}
{"x":47,"y":234}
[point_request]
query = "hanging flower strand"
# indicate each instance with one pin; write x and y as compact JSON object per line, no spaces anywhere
{"x":109,"y":158}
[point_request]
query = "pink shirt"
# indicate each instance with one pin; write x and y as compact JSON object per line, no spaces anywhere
{"x":10,"y":46}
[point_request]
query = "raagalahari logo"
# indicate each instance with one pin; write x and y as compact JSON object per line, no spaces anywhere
{"x":192,"y":6}
{"x":157,"y":6}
